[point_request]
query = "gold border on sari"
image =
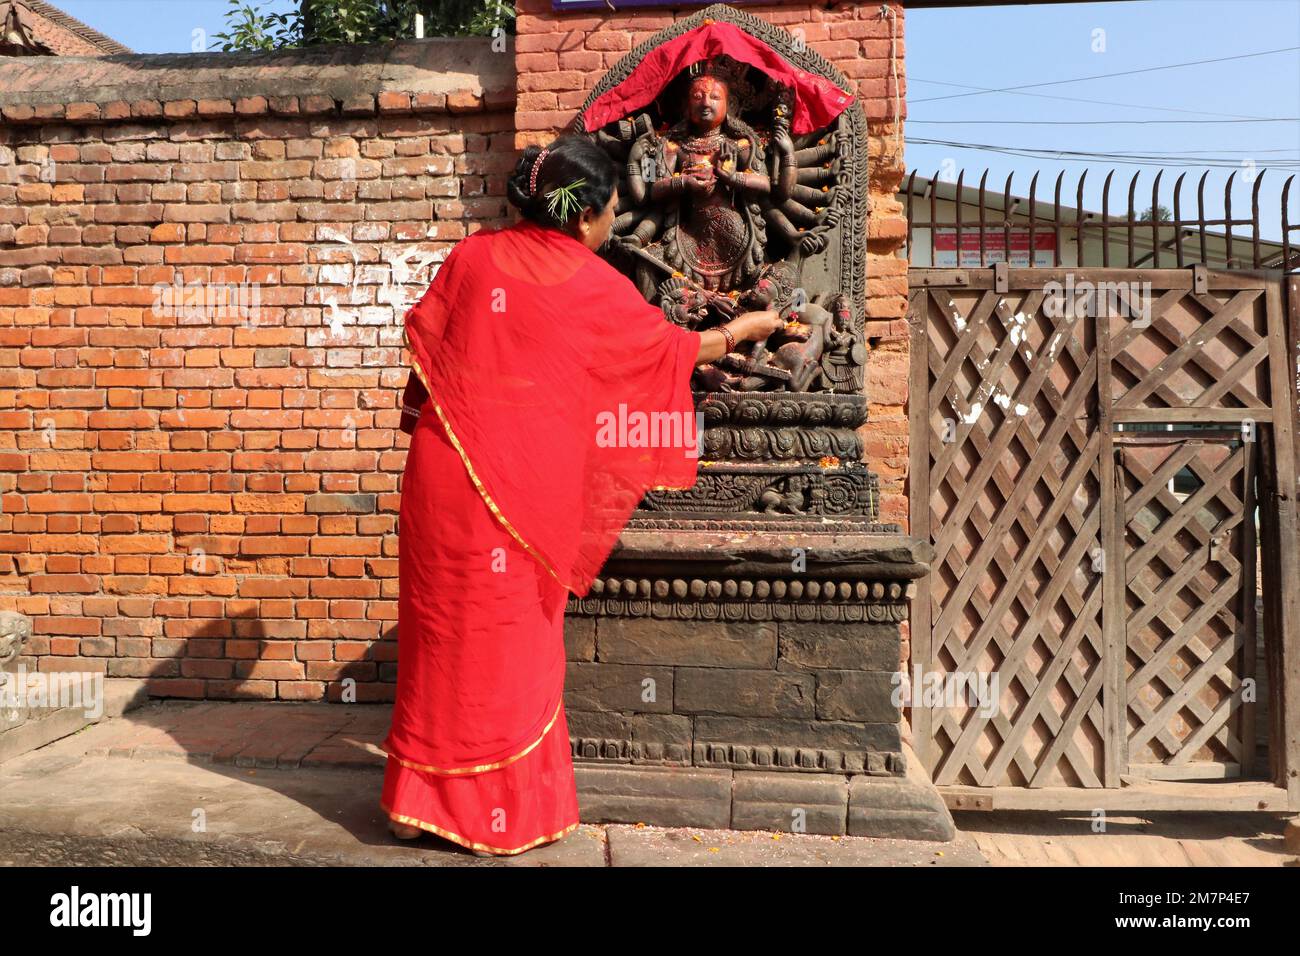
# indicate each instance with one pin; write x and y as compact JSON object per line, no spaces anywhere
{"x":457,"y":838}
{"x":480,"y":768}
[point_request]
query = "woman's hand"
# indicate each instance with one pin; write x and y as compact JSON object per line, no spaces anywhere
{"x":755,"y":326}
{"x":747,"y":327}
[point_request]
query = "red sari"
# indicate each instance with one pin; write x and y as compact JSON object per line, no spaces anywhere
{"x":534,"y":364}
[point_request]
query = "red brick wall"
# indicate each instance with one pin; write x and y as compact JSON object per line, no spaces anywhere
{"x":559,"y":58}
{"x":203,"y":500}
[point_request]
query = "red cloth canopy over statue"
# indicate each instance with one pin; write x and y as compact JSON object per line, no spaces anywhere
{"x":817,"y":101}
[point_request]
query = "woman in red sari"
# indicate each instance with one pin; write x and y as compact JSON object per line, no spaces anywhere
{"x":546,"y":397}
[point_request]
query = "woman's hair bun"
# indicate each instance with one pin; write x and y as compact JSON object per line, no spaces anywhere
{"x":569,"y":158}
{"x":517,"y":185}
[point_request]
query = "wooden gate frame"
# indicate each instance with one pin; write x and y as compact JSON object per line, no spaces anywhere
{"x":1286,"y":605}
{"x":1279,"y":467}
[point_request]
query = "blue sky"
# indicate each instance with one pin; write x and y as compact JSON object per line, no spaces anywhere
{"x":160,"y":26}
{"x":998,"y":47}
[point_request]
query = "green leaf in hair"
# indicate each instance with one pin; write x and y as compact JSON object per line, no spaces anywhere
{"x":566,"y":198}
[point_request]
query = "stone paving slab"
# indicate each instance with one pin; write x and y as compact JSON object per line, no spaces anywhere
{"x":60,"y":805}
{"x":297,"y":784}
{"x":29,"y":729}
{"x":330,"y":736}
{"x":655,"y":846}
{"x":81,"y":804}
{"x":248,"y":734}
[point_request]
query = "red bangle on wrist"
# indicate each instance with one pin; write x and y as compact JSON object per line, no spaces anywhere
{"x":726,"y":334}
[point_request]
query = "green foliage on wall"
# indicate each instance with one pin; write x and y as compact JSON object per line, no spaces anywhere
{"x":315,"y":22}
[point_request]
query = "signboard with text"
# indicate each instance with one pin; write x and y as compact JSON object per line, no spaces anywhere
{"x":995,"y":248}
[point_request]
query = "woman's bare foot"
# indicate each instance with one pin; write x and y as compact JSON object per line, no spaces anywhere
{"x":402,"y":831}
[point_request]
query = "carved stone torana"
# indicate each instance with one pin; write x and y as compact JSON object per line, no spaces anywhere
{"x":723,"y":210}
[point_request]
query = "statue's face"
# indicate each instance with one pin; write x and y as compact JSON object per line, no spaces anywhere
{"x":706,"y":101}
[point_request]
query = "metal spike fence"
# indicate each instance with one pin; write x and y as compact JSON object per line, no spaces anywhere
{"x":1178,"y":241}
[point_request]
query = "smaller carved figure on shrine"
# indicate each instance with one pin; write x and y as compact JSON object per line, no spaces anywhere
{"x":747,"y":368}
{"x":798,"y":348}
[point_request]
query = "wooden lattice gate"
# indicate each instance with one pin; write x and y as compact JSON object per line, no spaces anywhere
{"x":1189,"y":616}
{"x":1055,"y":438}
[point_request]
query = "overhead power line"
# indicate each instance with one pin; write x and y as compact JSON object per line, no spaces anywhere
{"x":1104,"y":76}
{"x":1080,"y":99}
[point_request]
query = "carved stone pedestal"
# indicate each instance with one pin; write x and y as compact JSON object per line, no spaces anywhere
{"x":759,"y":665}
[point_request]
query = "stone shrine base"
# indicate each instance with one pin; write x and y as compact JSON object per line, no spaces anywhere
{"x":905,"y":808}
{"x":744,"y":677}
